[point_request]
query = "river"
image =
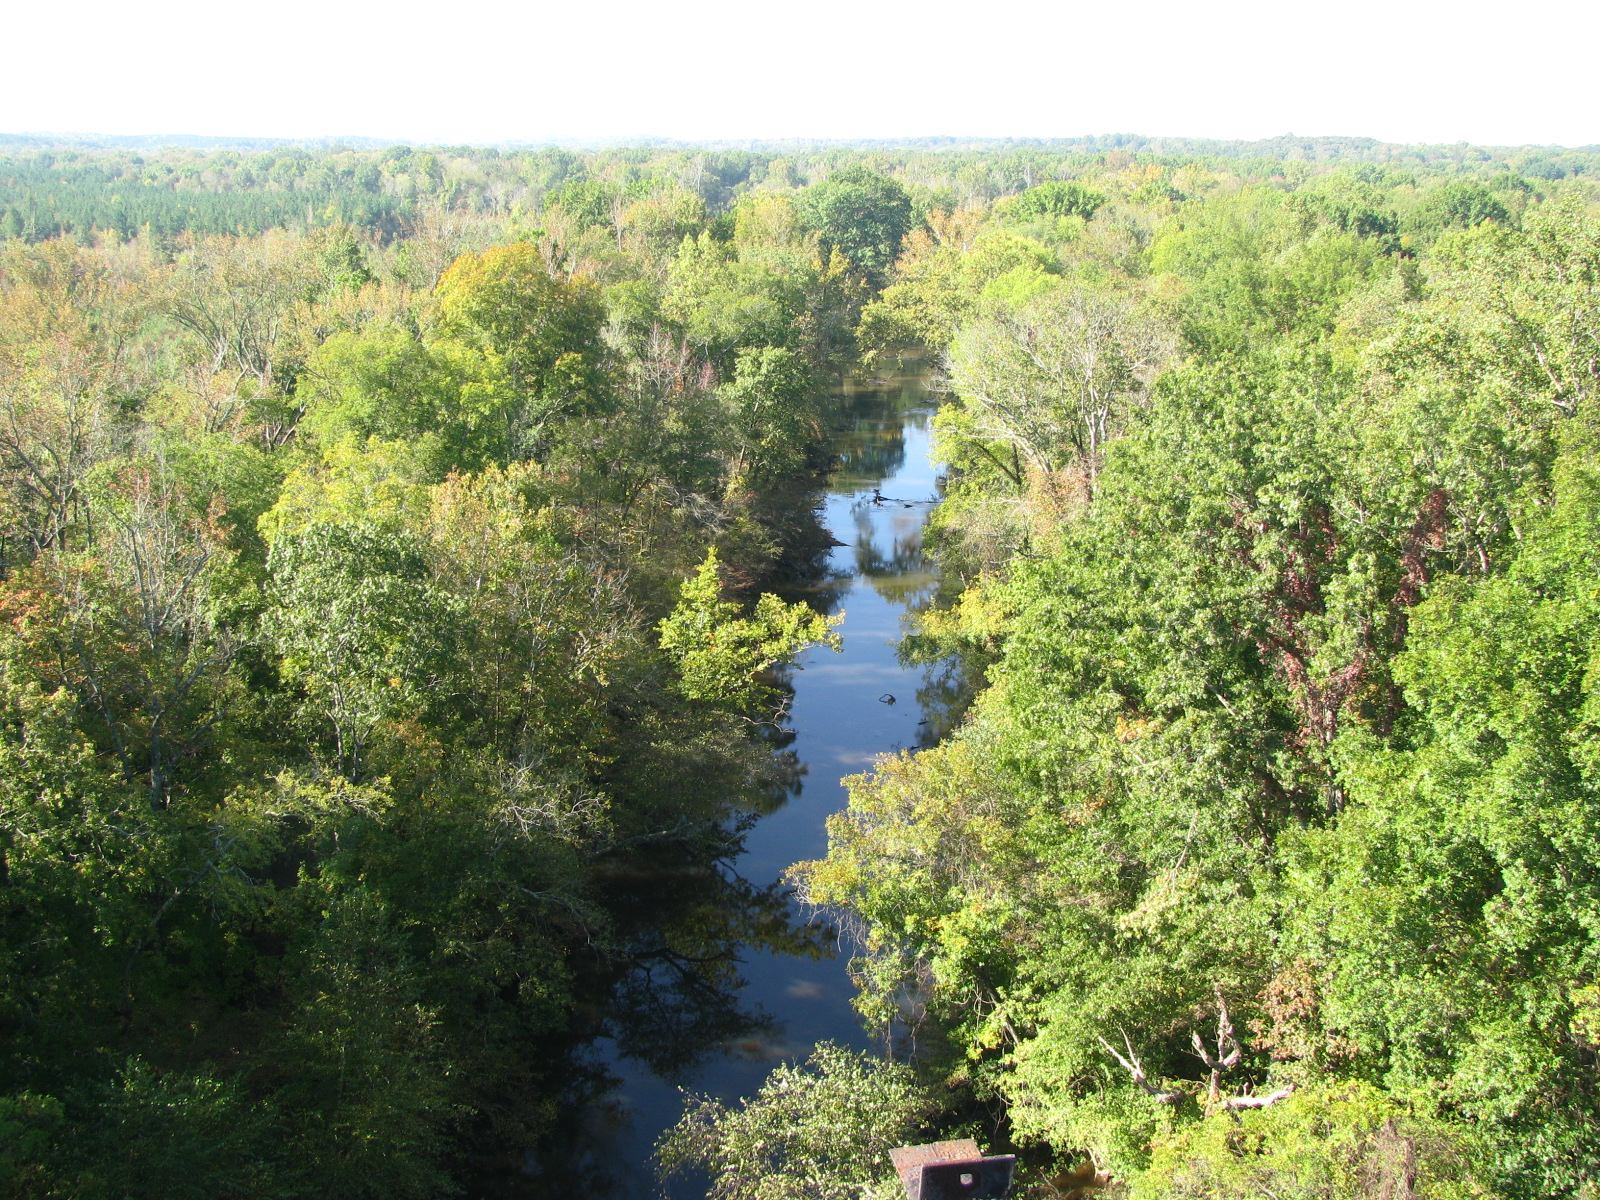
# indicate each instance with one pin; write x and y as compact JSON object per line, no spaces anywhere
{"x":848,"y":708}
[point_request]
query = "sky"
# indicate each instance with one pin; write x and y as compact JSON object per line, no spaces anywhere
{"x":493,"y":71}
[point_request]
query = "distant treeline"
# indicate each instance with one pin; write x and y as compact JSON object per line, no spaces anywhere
{"x":173,"y":185}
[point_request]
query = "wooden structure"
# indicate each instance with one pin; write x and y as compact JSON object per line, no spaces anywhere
{"x":953,"y":1171}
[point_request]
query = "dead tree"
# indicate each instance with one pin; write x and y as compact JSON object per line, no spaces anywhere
{"x":1226,"y":1056}
{"x":1228,"y":1050}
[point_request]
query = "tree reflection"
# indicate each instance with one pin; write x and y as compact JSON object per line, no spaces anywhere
{"x":869,"y":443}
{"x":948,"y":687}
{"x":953,"y":672}
{"x":674,"y":998}
{"x":664,"y":989}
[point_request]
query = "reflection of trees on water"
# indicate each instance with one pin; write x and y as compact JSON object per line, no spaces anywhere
{"x":807,"y":544}
{"x":950,"y":681}
{"x":869,"y":430}
{"x":904,"y":554}
{"x":782,"y":772}
{"x":821,"y":585}
{"x":902,"y":590}
{"x":675,"y":998}
{"x":869,"y":446}
{"x":899,"y":573}
{"x":946,"y":692}
{"x":666,"y":991}
{"x":869,"y":450}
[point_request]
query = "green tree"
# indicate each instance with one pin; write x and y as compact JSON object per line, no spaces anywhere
{"x":1450,"y":902}
{"x":362,"y":633}
{"x":1055,"y":199}
{"x":1350,"y":205}
{"x":530,"y":345}
{"x":386,"y":383}
{"x":774,"y":402}
{"x":1331,"y":1144}
{"x":1462,"y":204}
{"x":1052,"y":384}
{"x":724,"y":300}
{"x":722,"y":655}
{"x":369,"y":1065}
{"x":1251,"y":273}
{"x":586,"y":202}
{"x":819,"y":1131}
{"x":863,"y":215}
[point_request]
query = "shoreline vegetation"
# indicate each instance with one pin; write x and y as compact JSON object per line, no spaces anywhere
{"x":384,"y":537}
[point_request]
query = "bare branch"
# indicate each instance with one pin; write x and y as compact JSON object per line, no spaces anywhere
{"x":1135,"y":1068}
{"x":1236,"y":1103}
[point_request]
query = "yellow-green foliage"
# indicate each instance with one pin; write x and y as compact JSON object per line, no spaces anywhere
{"x":722,"y":655}
{"x":1345,"y":1142}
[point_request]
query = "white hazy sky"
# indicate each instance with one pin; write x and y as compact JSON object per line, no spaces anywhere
{"x":1399,"y":70}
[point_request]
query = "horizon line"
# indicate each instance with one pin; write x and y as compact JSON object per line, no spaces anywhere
{"x":609,"y":141}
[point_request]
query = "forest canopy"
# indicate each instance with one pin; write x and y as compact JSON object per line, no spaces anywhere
{"x":388,"y":546}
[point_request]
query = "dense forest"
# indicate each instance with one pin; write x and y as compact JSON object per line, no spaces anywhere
{"x":389,"y":541}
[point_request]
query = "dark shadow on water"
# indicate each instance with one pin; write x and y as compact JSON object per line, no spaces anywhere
{"x":677,"y":1000}
{"x":666,"y":997}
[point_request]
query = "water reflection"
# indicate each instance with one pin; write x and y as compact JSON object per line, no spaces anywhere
{"x":678,"y":1000}
{"x":947,"y":690}
{"x":666,"y":998}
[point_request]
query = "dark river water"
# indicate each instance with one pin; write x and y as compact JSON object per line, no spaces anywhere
{"x":841,"y":720}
